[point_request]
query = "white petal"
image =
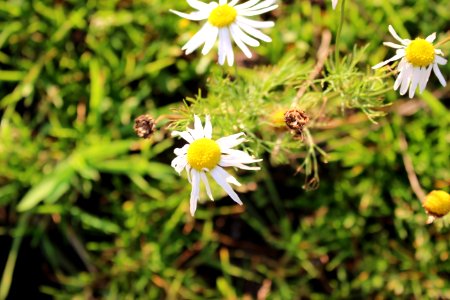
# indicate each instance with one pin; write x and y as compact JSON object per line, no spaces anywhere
{"x":198,"y":126}
{"x":188,"y":171}
{"x":193,"y":16}
{"x":184,"y":134}
{"x":230,"y":141}
{"x":254,"y":32}
{"x":227,"y":48}
{"x":395,"y":35}
{"x":221,"y":180}
{"x":416,"y":74}
{"x":425,"y":76}
{"x":393,"y":45}
{"x":334,"y":3}
{"x":239,"y":42}
{"x":222,"y":2}
{"x":222,"y":49}
{"x":259,"y":6}
{"x":211,"y":40}
{"x":243,"y":36}
{"x":254,"y":23}
{"x":206,"y":183}
{"x":182,"y":150}
{"x":198,"y":39}
{"x":179,"y":163}
{"x":208,"y":127}
{"x":406,"y":79}
{"x":195,"y":192}
{"x":438,"y":74}
{"x":440,"y":60}
{"x":401,"y":74}
{"x":431,"y":37}
{"x":395,"y":57}
{"x":249,"y":13}
{"x":233,"y":3}
{"x":246,"y":4}
{"x":198,"y":5}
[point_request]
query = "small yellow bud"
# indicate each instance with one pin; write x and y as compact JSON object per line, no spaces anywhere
{"x":437,"y":203}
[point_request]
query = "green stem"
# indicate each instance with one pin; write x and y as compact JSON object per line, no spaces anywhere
{"x":338,"y":33}
{"x":8,"y":272}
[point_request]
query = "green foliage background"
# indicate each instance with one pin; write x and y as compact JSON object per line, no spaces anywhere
{"x":88,"y":210}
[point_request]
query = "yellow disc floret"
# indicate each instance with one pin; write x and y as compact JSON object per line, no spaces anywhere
{"x":222,"y":16}
{"x":437,"y":203}
{"x":420,"y":53}
{"x":203,"y":153}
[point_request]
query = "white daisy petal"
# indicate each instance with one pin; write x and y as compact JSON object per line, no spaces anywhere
{"x":194,"y":16}
{"x":438,"y":74}
{"x":334,"y":3}
{"x":246,"y":4}
{"x":206,"y":183}
{"x":243,"y":36}
{"x":233,"y":2}
{"x":259,"y":6}
{"x":208,"y":127}
{"x":195,"y":192}
{"x":393,"y":58}
{"x":218,"y":177}
{"x":222,"y":50}
{"x":228,"y":47}
{"x":393,"y":45}
{"x":416,"y":74}
{"x":230,"y":141}
{"x":440,"y":60}
{"x":239,"y":42}
{"x":424,"y":79}
{"x":249,"y":13}
{"x":211,"y":40}
{"x":431,"y":37}
{"x":254,"y":32}
{"x":197,"y":40}
{"x":182,"y":150}
{"x":395,"y":35}
{"x":198,"y":5}
{"x":255,"y":24}
{"x":198,"y":127}
{"x":406,"y":79}
{"x":222,"y":2}
{"x":179,"y":163}
{"x":185,"y":135}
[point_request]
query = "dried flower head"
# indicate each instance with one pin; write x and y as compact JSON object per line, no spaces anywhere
{"x":144,"y":126}
{"x":296,"y":120}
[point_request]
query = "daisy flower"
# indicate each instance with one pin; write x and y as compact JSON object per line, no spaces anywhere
{"x":226,"y":22}
{"x":418,"y":58}
{"x":334,"y":3}
{"x":203,"y":155}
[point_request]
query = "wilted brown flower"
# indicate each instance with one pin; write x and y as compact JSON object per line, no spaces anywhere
{"x":144,"y":126}
{"x":296,"y":120}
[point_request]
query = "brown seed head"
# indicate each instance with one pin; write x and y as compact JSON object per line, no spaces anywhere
{"x":144,"y":126}
{"x":296,"y":119}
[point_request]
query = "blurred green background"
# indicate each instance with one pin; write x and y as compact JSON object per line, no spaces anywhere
{"x":90,"y":211}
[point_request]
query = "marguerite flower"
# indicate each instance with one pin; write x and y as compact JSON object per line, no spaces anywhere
{"x":203,"y":155}
{"x":418,"y":58}
{"x":227,"y":21}
{"x":334,"y":3}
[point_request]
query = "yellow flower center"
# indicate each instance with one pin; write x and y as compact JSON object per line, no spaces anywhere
{"x":420,"y":53}
{"x":222,"y":16}
{"x":203,"y":153}
{"x":437,"y":203}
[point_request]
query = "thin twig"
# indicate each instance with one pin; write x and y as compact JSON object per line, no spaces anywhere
{"x":322,"y":54}
{"x":412,"y":177}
